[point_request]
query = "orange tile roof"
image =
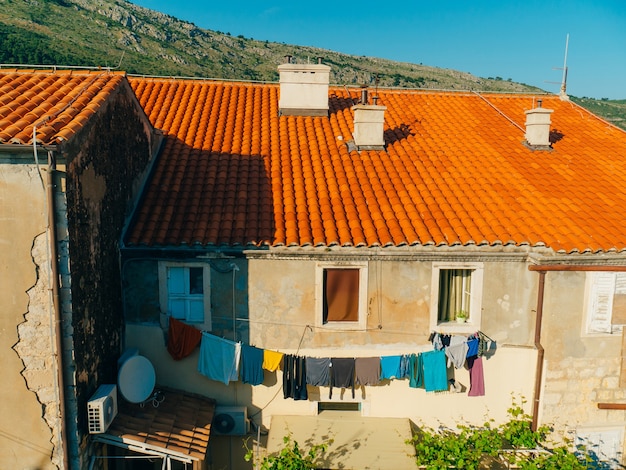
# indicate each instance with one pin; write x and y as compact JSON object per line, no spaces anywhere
{"x":454,"y":172}
{"x":58,"y":103}
{"x":233,"y":172}
{"x":181,"y":424}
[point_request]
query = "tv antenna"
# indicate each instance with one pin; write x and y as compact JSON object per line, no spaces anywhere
{"x":563,"y":83}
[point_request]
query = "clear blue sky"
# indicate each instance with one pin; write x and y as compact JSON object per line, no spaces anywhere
{"x":522,"y":40}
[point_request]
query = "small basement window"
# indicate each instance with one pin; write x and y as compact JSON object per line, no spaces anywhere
{"x":338,"y":406}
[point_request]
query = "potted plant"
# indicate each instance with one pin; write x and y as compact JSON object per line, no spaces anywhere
{"x":461,"y":316}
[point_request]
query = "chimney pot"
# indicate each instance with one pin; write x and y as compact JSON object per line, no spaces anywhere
{"x":364,"y":96}
{"x":319,"y":60}
{"x":303,"y":89}
{"x":288,"y":59}
{"x":369,"y":123}
{"x":538,"y":126}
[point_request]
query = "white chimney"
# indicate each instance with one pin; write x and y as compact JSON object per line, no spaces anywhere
{"x":303,"y":89}
{"x":369,"y":120}
{"x":538,"y":126}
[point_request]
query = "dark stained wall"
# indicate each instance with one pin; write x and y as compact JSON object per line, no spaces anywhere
{"x":105,"y":164}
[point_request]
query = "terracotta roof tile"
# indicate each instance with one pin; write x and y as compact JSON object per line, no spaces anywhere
{"x":181,"y":423}
{"x":454,"y":170}
{"x":57,"y":103}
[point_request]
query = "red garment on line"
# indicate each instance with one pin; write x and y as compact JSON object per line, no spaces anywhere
{"x":182,"y":339}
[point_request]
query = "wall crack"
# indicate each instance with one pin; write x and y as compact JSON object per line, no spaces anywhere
{"x":35,"y":345}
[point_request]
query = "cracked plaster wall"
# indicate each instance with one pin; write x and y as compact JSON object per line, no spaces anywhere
{"x":29,"y":427}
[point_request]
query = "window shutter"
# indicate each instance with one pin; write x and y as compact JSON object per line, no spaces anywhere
{"x":196,"y":310}
{"x":341,"y":290}
{"x":600,"y":307}
{"x":177,"y":308}
{"x":176,"y":280}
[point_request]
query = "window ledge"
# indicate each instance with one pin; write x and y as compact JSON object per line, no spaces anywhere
{"x":454,"y":327}
{"x":344,"y":326}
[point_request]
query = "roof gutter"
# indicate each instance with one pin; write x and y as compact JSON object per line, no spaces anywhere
{"x":540,"y":351}
{"x":56,"y":305}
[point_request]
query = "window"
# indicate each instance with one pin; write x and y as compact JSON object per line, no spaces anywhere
{"x":184,"y":292}
{"x":456,"y":302}
{"x":341,"y":296}
{"x":604,"y":444}
{"x":606,"y":302}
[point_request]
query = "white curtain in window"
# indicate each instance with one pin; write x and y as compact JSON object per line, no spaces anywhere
{"x":454,"y":292}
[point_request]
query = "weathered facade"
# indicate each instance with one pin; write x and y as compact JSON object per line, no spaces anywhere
{"x":64,"y":203}
{"x":258,"y":209}
{"x":267,"y":198}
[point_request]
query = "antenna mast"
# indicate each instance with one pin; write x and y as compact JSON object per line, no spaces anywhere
{"x":564,"y":80}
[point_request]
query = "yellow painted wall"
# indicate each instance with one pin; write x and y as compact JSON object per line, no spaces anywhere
{"x":24,"y":435}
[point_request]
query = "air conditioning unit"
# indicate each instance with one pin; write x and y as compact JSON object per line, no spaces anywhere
{"x":102,"y":408}
{"x":231,"y":421}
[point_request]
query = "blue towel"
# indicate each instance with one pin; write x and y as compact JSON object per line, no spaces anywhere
{"x":219,"y":358}
{"x":390,"y":367}
{"x":472,"y":347}
{"x":435,"y":371}
{"x":251,"y":365}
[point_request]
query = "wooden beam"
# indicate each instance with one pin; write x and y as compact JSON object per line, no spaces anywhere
{"x":612,"y":406}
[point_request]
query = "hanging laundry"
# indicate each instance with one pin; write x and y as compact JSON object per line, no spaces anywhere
{"x":477,"y":380}
{"x":472,"y":347}
{"x":367,"y":370}
{"x":219,"y":358}
{"x":251,"y":365}
{"x":404,"y":366}
{"x":486,"y":346}
{"x":294,"y":377}
{"x":271,"y":360}
{"x":416,"y":371}
{"x":457,"y":351}
{"x":341,"y":373}
{"x":435,"y":339}
{"x":435,"y":371}
{"x":390,"y":367}
{"x":182,"y":339}
{"x":318,"y":371}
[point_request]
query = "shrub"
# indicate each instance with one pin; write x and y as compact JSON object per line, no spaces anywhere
{"x":291,"y":457}
{"x":513,"y":442}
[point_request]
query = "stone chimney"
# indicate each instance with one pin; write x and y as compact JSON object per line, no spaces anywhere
{"x":369,"y":120}
{"x":538,"y":127}
{"x":303,"y":88}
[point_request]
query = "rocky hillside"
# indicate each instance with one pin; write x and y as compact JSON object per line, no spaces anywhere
{"x":119,"y":34}
{"x":109,"y":33}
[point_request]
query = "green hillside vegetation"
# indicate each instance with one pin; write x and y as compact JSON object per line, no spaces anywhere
{"x":119,"y":34}
{"x":614,"y":111}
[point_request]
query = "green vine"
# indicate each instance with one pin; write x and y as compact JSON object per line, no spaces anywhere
{"x":513,"y":443}
{"x":291,"y":457}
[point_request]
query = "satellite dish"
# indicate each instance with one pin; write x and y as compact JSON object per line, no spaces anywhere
{"x":223,"y":423}
{"x":136,"y":379}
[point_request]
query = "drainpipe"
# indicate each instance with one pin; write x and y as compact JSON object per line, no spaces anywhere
{"x":56,"y":304}
{"x":540,"y":351}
